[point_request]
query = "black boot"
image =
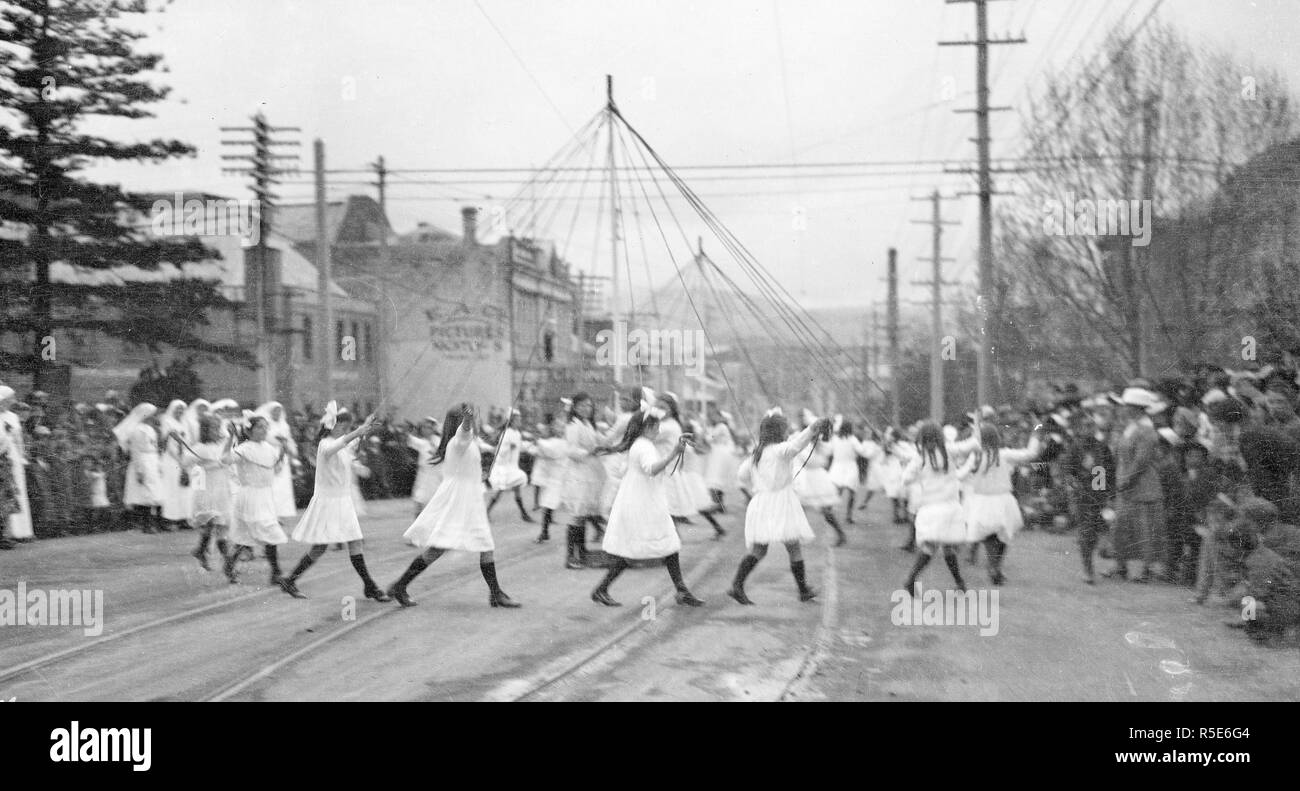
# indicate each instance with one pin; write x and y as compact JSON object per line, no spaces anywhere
{"x":223,"y":548}
{"x":910,"y":546}
{"x":273,"y":557}
{"x":573,"y":553}
{"x":495,"y":496}
{"x":201,"y":554}
{"x":547,"y":515}
{"x":805,"y":593}
{"x":287,"y":584}
{"x":833,"y":522}
{"x":922,"y":561}
{"x":398,"y":589}
{"x":371,"y":590}
{"x":848,"y":512}
{"x":497,"y":597}
{"x":144,"y":516}
{"x":996,"y":550}
{"x":737,"y":590}
{"x":523,"y":512}
{"x":229,"y":566}
{"x":601,"y":594}
{"x":718,"y":532}
{"x":954,"y":568}
{"x":684,"y":596}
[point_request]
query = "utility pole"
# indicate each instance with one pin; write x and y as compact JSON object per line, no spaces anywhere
{"x":262,"y":166}
{"x":615,"y":307}
{"x":386,"y":269}
{"x":985,"y":385}
{"x":936,"y":283}
{"x":324,"y":274}
{"x":894,"y":362}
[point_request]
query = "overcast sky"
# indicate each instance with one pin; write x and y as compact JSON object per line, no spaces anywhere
{"x":505,"y":83}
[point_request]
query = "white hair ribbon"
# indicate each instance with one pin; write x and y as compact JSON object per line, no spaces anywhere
{"x":331,"y":415}
{"x":774,"y":412}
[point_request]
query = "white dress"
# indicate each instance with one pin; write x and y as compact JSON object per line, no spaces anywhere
{"x":940,"y":517}
{"x":255,"y":520}
{"x":356,"y":471}
{"x":550,"y":459}
{"x":586,"y":472}
{"x":506,"y":473}
{"x":844,"y":461}
{"x":143,"y":473}
{"x":991,"y":508}
{"x":895,"y":459}
{"x":331,"y":516}
{"x":456,"y":518}
{"x":20,"y":523}
{"x":427,"y":476}
{"x":875,"y":456}
{"x":176,"y":499}
{"x":615,"y":463}
{"x":723,"y":462}
{"x":640,"y":526}
{"x":282,"y":484}
{"x":775,"y":515}
{"x":210,"y":479}
{"x":812,"y":483}
{"x":687,"y":494}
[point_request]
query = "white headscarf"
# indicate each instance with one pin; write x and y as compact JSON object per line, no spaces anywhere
{"x":132,"y":421}
{"x":276,"y":428}
{"x":170,"y":423}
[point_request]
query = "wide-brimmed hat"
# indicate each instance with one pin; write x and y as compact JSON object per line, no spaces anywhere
{"x":1140,"y":397}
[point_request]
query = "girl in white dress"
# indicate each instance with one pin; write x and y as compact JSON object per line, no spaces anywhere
{"x":874,"y":453}
{"x":331,"y":516}
{"x":210,"y":459}
{"x":896,"y":458}
{"x":427,"y":476}
{"x":812,"y":483}
{"x":550,"y":459}
{"x":687,"y":494}
{"x":775,"y":514}
{"x":279,"y":432}
{"x":456,"y":518}
{"x":143,"y":493}
{"x":845,"y":449}
{"x":585,"y":479}
{"x":506,"y":473}
{"x":640,"y":523}
{"x":992,"y":513}
{"x":174,"y":434}
{"x":723,"y":462}
{"x":940,"y":518}
{"x":255,"y":520}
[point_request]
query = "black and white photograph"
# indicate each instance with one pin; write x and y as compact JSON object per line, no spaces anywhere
{"x":376,"y":351}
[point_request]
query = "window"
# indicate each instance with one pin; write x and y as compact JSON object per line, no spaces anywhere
{"x":338,"y":342}
{"x":369,"y":345}
{"x":548,"y":346}
{"x":307,"y":337}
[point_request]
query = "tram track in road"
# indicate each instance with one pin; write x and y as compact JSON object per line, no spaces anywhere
{"x":797,"y":687}
{"x":40,"y":663}
{"x":269,"y":669}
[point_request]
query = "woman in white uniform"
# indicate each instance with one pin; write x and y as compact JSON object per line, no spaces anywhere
{"x":687,"y":494}
{"x":331,"y":516}
{"x":209,"y":460}
{"x":774,"y":514}
{"x":505,"y":473}
{"x":940,"y":518}
{"x":456,"y":518}
{"x":585,"y":479}
{"x":427,"y":476}
{"x":143,"y":493}
{"x":279,"y":432}
{"x":723,"y":462}
{"x":174,"y":434}
{"x":255,"y":520}
{"x":550,"y":460}
{"x":18,"y":525}
{"x":640,"y":523}
{"x":812,"y":483}
{"x":992,"y":513}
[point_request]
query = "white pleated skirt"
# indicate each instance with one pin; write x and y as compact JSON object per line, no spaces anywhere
{"x":455,"y":519}
{"x":776,"y":518}
{"x":992,"y":514}
{"x":254,"y":520}
{"x":329,"y":520}
{"x":943,"y":523}
{"x":813,"y":487}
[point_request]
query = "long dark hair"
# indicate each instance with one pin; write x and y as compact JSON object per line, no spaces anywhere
{"x":990,"y":445}
{"x":637,"y":426}
{"x":929,"y":442}
{"x":450,"y":425}
{"x":846,"y":428}
{"x":246,"y":433}
{"x":771,"y":430}
{"x":573,"y":413}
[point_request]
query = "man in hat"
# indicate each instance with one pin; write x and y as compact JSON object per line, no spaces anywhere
{"x":1139,"y":517}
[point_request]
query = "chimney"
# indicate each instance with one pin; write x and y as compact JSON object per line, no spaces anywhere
{"x":469,"y":225}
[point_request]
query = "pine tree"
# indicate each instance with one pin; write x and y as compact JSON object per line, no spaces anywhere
{"x":63,"y":63}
